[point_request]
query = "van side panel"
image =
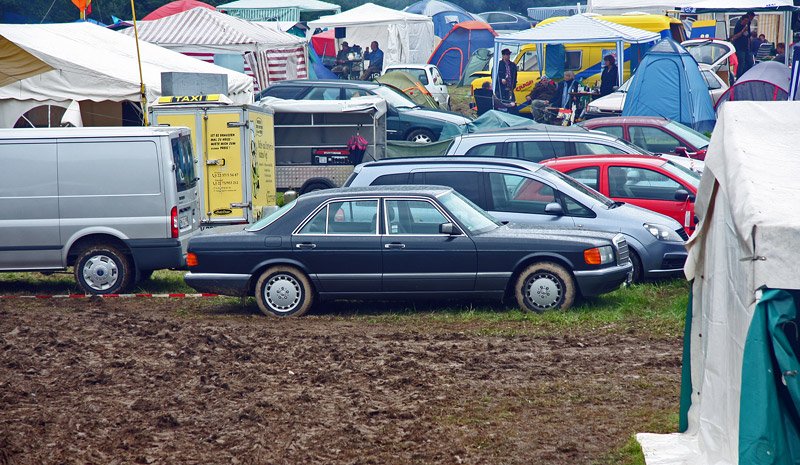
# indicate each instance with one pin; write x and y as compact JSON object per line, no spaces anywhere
{"x":123,"y":191}
{"x":29,"y":237}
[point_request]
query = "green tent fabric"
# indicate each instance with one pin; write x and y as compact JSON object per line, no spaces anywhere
{"x":769,"y":419}
{"x":479,"y":61}
{"x":406,"y":84}
{"x":403,"y":149}
{"x":490,"y":120}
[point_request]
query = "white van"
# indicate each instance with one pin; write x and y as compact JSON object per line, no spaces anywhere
{"x":114,"y":203}
{"x":430,"y":77}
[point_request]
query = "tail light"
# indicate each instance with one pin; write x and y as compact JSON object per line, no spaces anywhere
{"x":173,"y":222}
{"x":191,"y":259}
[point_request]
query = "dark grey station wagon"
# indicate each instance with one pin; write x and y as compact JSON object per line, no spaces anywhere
{"x":402,"y":242}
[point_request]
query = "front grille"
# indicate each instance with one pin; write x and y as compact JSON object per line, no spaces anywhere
{"x":681,"y":232}
{"x":673,"y":263}
{"x":623,"y":255}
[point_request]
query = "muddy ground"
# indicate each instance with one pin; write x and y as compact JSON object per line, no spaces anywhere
{"x":209,"y":382}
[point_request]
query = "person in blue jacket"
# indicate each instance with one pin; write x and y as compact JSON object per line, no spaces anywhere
{"x":375,"y":57}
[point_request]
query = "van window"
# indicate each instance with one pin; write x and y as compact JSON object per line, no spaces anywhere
{"x":573,"y":60}
{"x":183,"y":157}
{"x":465,"y":183}
{"x":29,"y":170}
{"x":117,"y":168}
{"x":529,"y":61}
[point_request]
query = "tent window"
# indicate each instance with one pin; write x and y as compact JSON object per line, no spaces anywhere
{"x":573,"y":60}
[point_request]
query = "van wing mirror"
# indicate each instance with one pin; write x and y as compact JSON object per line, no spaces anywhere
{"x":554,"y":208}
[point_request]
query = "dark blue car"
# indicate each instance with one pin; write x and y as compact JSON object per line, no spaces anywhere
{"x":402,"y":242}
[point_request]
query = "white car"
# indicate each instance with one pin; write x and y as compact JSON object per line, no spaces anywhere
{"x":430,"y":77}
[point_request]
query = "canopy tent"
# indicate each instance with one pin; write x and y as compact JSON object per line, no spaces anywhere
{"x":702,"y":6}
{"x":455,"y":50}
{"x":403,"y":37}
{"x":177,"y":6}
{"x":575,"y":29}
{"x":740,"y":399}
{"x":324,"y":43}
{"x":668,"y":83}
{"x":405,"y":83}
{"x":445,"y":15}
{"x":268,"y":55}
{"x":767,"y":81}
{"x":292,"y":27}
{"x":278,"y":10}
{"x":91,"y":63}
{"x":795,"y":84}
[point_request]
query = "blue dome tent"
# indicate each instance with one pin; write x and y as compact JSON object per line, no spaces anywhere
{"x":444,"y":14}
{"x":455,"y":50}
{"x":668,"y":83}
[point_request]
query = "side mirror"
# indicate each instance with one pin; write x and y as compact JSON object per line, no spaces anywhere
{"x":682,"y":151}
{"x":289,"y":195}
{"x":554,"y":208}
{"x":449,"y":228}
{"x":681,"y":195}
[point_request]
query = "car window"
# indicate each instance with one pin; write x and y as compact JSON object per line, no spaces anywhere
{"x":284,"y":92}
{"x":519,"y":194}
{"x":471,"y":216}
{"x":391,"y":179}
{"x":615,"y":131}
{"x":587,"y":148}
{"x":529,"y":61}
{"x":653,"y":139}
{"x":323,"y":93}
{"x":345,"y":217}
{"x":416,"y":73}
{"x":640,"y":183}
{"x":538,"y":150}
{"x":707,"y":52}
{"x":575,"y":208}
{"x":587,"y":176}
{"x":413,"y":217}
{"x":466,"y":183}
{"x":437,"y":77}
{"x":485,"y":150}
{"x":711,"y":80}
{"x":352,"y":93}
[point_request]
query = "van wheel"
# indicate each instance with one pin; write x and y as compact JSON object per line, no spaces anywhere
{"x":284,"y":291}
{"x":544,"y":286}
{"x":103,"y":269}
{"x":422,"y":136}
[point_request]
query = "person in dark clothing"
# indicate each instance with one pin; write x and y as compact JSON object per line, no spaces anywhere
{"x":563,"y":98}
{"x":780,"y":49}
{"x":609,"y":79}
{"x":539,"y":99}
{"x":506,"y":76}
{"x":741,"y":41}
{"x":375,"y":57}
{"x":342,"y":64}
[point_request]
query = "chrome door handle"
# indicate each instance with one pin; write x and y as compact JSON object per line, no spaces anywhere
{"x":394,"y":245}
{"x":306,"y":245}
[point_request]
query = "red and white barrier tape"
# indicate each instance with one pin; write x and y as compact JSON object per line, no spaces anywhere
{"x":109,"y":296}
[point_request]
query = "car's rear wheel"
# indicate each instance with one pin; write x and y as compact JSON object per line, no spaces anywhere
{"x":422,"y":136}
{"x":284,"y":291}
{"x":103,"y":269}
{"x":545,"y":286}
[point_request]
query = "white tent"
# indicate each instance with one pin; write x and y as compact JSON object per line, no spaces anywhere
{"x":93,"y":64}
{"x":690,"y":6}
{"x":277,"y":10}
{"x":575,"y":29}
{"x":403,"y":37}
{"x":744,"y":260}
{"x":268,"y":55}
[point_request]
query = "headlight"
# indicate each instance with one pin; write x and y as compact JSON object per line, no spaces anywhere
{"x":592,"y":109}
{"x":662,"y":233}
{"x":599,"y":255}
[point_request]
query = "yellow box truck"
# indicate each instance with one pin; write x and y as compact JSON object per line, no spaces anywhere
{"x":235,"y":145}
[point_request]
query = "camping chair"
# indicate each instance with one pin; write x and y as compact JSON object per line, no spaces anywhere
{"x":484,"y":100}
{"x":764,"y":51}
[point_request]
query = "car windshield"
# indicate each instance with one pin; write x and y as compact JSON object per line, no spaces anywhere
{"x":689,"y":135}
{"x":468,"y":214}
{"x":267,"y":220}
{"x":707,"y":52}
{"x":582,"y":188}
{"x":394,"y":97}
{"x":683,"y":173}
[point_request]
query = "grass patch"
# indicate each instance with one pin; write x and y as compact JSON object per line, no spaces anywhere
{"x":631,"y":453}
{"x":460,"y":98}
{"x":162,"y":281}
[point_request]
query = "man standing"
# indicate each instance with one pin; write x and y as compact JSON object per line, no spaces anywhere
{"x":506,"y":77}
{"x":741,"y":41}
{"x":375,"y":57}
{"x":563,"y":98}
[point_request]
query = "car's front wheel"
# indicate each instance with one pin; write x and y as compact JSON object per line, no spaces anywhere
{"x":545,"y":286}
{"x":422,"y":136}
{"x":284,"y":291}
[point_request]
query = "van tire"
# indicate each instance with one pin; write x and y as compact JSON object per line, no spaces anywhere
{"x":103,"y":269}
{"x":545,"y":286}
{"x":293,"y":293}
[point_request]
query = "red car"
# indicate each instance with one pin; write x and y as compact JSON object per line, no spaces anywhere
{"x":654,"y":134}
{"x":646,"y":181}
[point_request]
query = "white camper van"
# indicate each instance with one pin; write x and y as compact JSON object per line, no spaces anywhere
{"x":114,"y":203}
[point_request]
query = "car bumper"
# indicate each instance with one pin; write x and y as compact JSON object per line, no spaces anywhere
{"x":156,"y":254}
{"x":596,"y":282}
{"x":219,"y":283}
{"x":665,"y":259}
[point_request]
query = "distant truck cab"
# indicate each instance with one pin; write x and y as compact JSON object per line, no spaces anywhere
{"x":585,"y":60}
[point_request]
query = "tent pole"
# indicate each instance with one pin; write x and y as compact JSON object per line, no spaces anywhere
{"x":495,"y":64}
{"x":621,"y":63}
{"x":139,"y":60}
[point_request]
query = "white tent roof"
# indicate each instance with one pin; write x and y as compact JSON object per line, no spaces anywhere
{"x":577,"y":29}
{"x":303,"y":5}
{"x":354,"y":105}
{"x":368,"y":14}
{"x":661,"y":6}
{"x":201,"y":26}
{"x":93,"y":63}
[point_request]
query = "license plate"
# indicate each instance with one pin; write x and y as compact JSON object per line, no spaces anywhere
{"x":183,"y":222}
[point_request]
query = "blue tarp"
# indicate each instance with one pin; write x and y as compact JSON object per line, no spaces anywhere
{"x":444,"y":14}
{"x":318,"y":70}
{"x":455,"y":50}
{"x":668,"y":83}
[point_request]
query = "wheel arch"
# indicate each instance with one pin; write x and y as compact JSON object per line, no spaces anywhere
{"x":263,"y":266}
{"x":83,"y":238}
